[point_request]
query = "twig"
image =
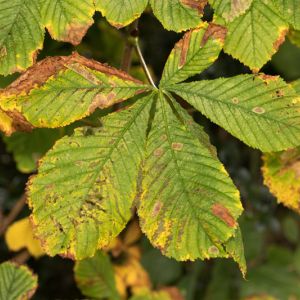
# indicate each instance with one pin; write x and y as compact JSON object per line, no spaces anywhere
{"x":12,"y":214}
{"x":127,"y":56}
{"x":144,"y":65}
{"x":21,"y":257}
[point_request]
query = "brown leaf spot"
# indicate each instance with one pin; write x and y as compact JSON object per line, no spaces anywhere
{"x":258,"y":110}
{"x":213,"y":250}
{"x":214,"y":31}
{"x":195,"y":4}
{"x":158,"y":152}
{"x":266,"y":78}
{"x":3,"y":52}
{"x":156,"y":209}
{"x":224,"y":214}
{"x":235,"y":100}
{"x":177,"y":146}
{"x":280,"y":39}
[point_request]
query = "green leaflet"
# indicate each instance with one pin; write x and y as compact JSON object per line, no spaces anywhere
{"x":95,"y":277}
{"x":230,"y":9}
{"x":281,"y":175}
{"x":29,"y":147}
{"x":72,"y":88}
{"x":21,"y":34}
{"x":260,"y":110}
{"x":290,"y":10}
{"x":16,"y":282}
{"x":256,"y":35}
{"x":178,"y":15}
{"x":188,"y":205}
{"x":195,"y":52}
{"x":82,"y":196}
{"x":68,"y":20}
{"x":120,"y":13}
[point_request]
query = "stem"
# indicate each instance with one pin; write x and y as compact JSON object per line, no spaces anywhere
{"x":141,"y":57}
{"x":13,"y":214}
{"x":127,"y":57}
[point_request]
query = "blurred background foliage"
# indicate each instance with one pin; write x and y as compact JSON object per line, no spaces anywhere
{"x":271,"y":232}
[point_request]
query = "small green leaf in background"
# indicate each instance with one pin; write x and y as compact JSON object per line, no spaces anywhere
{"x":29,"y":147}
{"x":260,"y":110}
{"x":256,"y":35}
{"x":276,"y":277}
{"x":16,"y":282}
{"x":120,"y":13}
{"x":95,"y":277}
{"x":178,"y":15}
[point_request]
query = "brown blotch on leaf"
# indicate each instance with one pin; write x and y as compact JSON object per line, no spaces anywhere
{"x":266,"y":78}
{"x":3,"y":52}
{"x":214,"y":31}
{"x":156,"y":209}
{"x":177,"y":146}
{"x":75,"y":33}
{"x":183,"y":45}
{"x":280,"y":39}
{"x":198,"y":5}
{"x":158,"y":152}
{"x":38,"y":74}
{"x":224,"y":214}
{"x":103,"y":101}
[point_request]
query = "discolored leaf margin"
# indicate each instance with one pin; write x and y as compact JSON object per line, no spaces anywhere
{"x":281,"y":171}
{"x":22,"y":283}
{"x":15,"y":98}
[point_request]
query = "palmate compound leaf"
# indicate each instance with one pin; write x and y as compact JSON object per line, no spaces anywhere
{"x":290,"y":10}
{"x":230,"y":9}
{"x":60,"y":90}
{"x":187,"y":204}
{"x":21,"y":34}
{"x":16,"y":282}
{"x":262,"y":111}
{"x":68,"y":20}
{"x":256,"y":35}
{"x":95,"y":277}
{"x":120,"y":13}
{"x":195,"y":52}
{"x":178,"y":15}
{"x":281,"y":171}
{"x":83,"y":194}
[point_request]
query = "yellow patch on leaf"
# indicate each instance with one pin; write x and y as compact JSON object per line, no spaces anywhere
{"x":281,"y":172}
{"x":20,"y":235}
